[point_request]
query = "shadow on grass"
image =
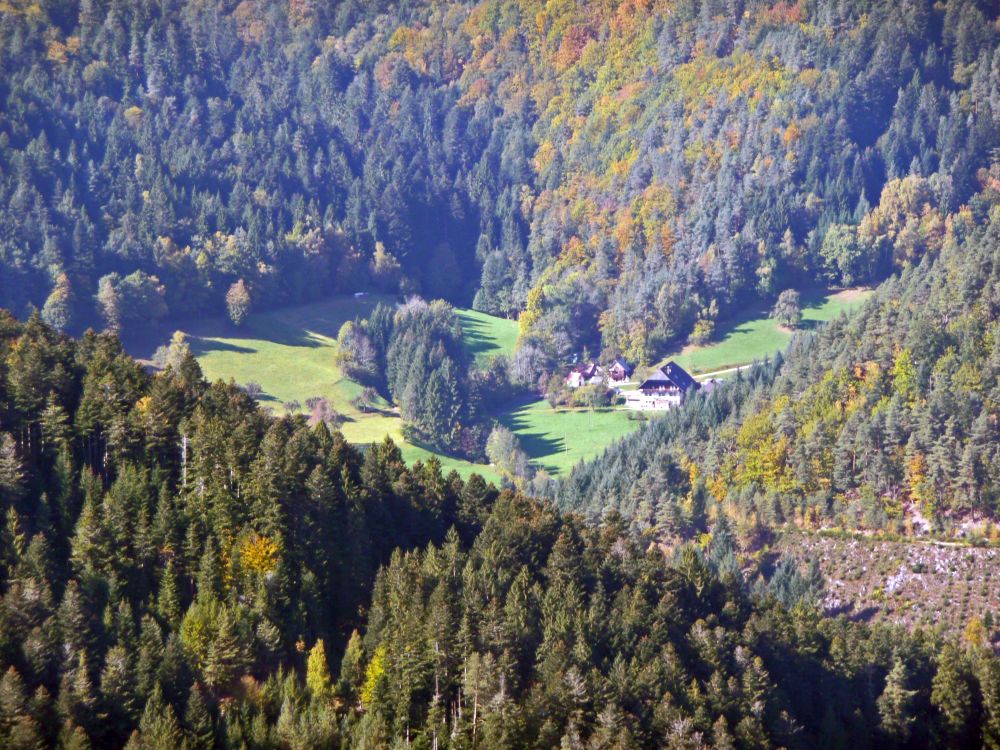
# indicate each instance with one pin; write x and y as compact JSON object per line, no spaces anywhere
{"x":303,"y":326}
{"x":200,"y":347}
{"x":741,"y":323}
{"x":377,"y":412}
{"x":538,"y":445}
{"x":477,"y":337}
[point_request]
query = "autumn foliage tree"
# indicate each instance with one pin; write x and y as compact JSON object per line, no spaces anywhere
{"x":238,"y":302}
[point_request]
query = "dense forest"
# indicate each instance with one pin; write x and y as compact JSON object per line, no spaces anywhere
{"x":887,"y":420}
{"x":619,"y":174}
{"x":180,"y":569}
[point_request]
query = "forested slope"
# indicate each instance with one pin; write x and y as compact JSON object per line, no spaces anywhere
{"x":619,"y":173}
{"x":163,"y":538}
{"x":884,"y":420}
{"x":180,"y":569}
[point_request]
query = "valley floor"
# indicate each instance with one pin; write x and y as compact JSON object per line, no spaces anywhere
{"x":290,"y":354}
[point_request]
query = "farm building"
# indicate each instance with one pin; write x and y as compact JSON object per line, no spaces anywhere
{"x":585,"y":373}
{"x":664,"y":389}
{"x":619,"y":371}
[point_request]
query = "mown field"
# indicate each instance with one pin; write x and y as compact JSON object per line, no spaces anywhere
{"x":485,"y":335}
{"x":557,"y":439}
{"x":290,"y":354}
{"x":755,"y":335}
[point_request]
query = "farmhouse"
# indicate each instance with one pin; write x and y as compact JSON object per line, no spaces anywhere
{"x":664,"y":389}
{"x":585,"y":373}
{"x":619,"y":371}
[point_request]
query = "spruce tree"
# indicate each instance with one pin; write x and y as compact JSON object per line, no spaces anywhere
{"x":952,"y":697}
{"x":895,"y":704}
{"x":226,"y":659}
{"x":198,"y":721}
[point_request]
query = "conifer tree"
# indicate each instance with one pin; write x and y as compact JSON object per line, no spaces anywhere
{"x":895,"y":704}
{"x":226,"y":658}
{"x":952,"y":697}
{"x":198,"y":721}
{"x":318,"y":672}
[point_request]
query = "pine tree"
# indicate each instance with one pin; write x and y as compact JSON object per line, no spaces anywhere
{"x":952,"y":696}
{"x":351,"y":667}
{"x":226,"y":659}
{"x":13,"y":544}
{"x":150,"y":656}
{"x":13,"y":699}
{"x":76,"y":695}
{"x":56,"y":430}
{"x":74,"y":737}
{"x":158,"y":728}
{"x":11,"y":471}
{"x":168,"y":602}
{"x":118,"y":693}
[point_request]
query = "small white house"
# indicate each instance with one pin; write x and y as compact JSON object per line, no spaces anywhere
{"x":588,"y":373}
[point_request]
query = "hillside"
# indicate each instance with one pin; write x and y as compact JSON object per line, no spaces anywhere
{"x":884,"y":420}
{"x":314,"y":316}
{"x":619,"y":174}
{"x":181,"y":569}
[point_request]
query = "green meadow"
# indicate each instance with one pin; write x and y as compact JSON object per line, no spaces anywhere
{"x":755,"y":335}
{"x":557,"y":439}
{"x":290,"y":353}
{"x":486,"y":336}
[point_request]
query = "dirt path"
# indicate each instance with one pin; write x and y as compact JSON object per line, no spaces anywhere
{"x":706,"y":375}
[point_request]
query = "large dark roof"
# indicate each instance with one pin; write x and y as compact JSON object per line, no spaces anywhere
{"x":670,"y":374}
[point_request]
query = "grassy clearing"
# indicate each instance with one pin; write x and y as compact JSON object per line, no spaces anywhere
{"x":755,"y":335}
{"x":486,"y":336}
{"x":557,"y":439}
{"x":290,"y":353}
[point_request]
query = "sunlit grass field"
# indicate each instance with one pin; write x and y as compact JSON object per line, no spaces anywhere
{"x":557,"y":439}
{"x":755,"y":335}
{"x":290,"y":354}
{"x":486,"y":336}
